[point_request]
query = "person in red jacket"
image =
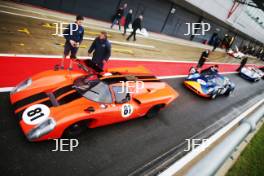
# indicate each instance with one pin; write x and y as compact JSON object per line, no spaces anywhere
{"x":128,"y":20}
{"x":118,"y":15}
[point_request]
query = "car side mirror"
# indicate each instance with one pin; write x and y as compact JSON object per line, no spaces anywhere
{"x":89,"y":109}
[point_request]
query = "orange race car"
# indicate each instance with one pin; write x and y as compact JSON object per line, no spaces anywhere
{"x":58,"y":103}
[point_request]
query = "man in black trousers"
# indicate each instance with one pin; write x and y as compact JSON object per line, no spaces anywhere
{"x":101,"y":49}
{"x":136,"y":25}
{"x":242,"y":64}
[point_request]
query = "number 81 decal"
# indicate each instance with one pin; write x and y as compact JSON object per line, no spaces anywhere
{"x":126,"y":110}
{"x":36,"y":114}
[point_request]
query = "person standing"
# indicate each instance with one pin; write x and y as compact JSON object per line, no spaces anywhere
{"x":135,"y":25}
{"x":101,"y":49}
{"x":242,"y":64}
{"x":216,"y":43}
{"x":73,"y":40}
{"x":225,"y":42}
{"x":118,"y":15}
{"x":203,"y":58}
{"x":128,"y":20}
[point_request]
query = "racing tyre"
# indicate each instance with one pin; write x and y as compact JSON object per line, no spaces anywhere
{"x":229,"y":92}
{"x":152,"y":112}
{"x":213,"y":96}
{"x":75,"y":129}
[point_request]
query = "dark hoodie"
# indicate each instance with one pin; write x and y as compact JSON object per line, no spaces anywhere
{"x":102,"y":50}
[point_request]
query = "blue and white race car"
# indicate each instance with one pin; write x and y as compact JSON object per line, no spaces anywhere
{"x":251,"y":73}
{"x":209,"y":83}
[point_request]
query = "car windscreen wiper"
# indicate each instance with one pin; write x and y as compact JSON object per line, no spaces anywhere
{"x":94,"y":92}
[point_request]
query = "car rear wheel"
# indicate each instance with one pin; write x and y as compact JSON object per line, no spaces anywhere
{"x":213,"y":96}
{"x":152,"y":112}
{"x":229,"y":92}
{"x":75,"y":129}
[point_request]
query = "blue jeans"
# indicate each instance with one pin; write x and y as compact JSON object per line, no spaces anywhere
{"x":116,"y":20}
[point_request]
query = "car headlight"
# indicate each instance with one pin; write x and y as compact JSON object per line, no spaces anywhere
{"x":42,"y":129}
{"x":22,"y":85}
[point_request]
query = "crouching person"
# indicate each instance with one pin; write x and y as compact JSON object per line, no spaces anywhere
{"x":101,"y":49}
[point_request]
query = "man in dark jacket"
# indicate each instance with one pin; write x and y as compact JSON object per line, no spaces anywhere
{"x":136,"y":25}
{"x":118,"y":15}
{"x":101,"y":49}
{"x":74,"y":36}
{"x":128,"y":20}
{"x":216,"y":43}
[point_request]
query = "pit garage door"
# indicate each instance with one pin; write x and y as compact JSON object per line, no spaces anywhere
{"x":176,"y":23}
{"x":101,"y":9}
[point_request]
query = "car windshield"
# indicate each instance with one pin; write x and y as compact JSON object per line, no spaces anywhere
{"x":95,"y":90}
{"x":99,"y":93}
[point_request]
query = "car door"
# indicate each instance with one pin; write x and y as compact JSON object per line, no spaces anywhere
{"x":125,"y":107}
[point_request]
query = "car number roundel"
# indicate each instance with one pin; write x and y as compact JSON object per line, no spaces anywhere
{"x":127,"y":110}
{"x":36,"y":114}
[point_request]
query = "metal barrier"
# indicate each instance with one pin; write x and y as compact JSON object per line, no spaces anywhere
{"x":214,"y":159}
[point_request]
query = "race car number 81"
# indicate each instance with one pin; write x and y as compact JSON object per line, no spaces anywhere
{"x":127,"y":110}
{"x":36,"y":114}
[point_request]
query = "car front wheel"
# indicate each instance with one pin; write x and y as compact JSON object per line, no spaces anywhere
{"x":152,"y":112}
{"x":75,"y":129}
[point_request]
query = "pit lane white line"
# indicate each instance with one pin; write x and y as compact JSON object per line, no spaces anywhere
{"x":89,"y":38}
{"x":6,"y":89}
{"x":183,"y":76}
{"x":114,"y":58}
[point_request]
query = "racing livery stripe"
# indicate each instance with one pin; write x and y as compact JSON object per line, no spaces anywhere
{"x":35,"y":102}
{"x":62,"y":90}
{"x":29,"y":100}
{"x":114,"y":80}
{"x":68,"y":98}
{"x":144,"y":78}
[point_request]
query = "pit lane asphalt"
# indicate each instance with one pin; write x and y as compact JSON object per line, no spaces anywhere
{"x":120,"y":149}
